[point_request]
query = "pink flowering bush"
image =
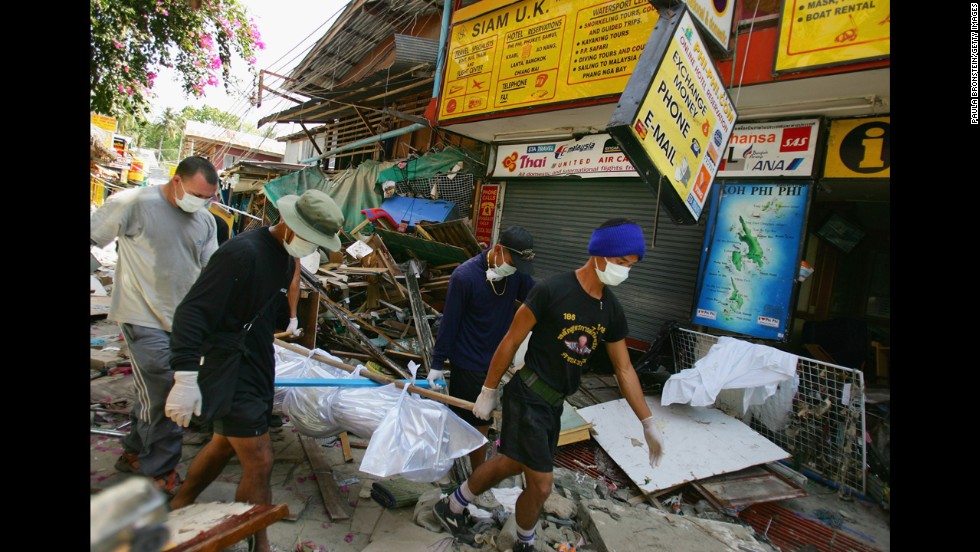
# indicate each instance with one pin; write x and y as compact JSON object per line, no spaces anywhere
{"x":142,"y":36}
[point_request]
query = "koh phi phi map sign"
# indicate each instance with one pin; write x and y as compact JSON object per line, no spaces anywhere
{"x":746,"y":278}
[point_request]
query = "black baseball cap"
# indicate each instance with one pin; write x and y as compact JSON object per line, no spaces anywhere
{"x":521,"y":245}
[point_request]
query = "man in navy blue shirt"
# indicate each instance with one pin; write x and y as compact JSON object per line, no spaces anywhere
{"x":481,"y":300}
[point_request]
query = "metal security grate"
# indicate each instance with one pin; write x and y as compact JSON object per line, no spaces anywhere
{"x":827,"y":427}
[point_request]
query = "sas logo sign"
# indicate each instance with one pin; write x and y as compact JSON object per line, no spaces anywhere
{"x":795,"y":139}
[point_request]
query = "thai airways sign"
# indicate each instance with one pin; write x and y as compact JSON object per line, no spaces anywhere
{"x":590,"y":156}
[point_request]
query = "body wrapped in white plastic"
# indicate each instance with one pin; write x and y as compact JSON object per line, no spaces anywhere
{"x":413,"y":437}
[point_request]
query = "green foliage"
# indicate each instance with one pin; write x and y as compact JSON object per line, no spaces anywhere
{"x":131,"y":40}
{"x":166,"y":132}
{"x":211,"y":115}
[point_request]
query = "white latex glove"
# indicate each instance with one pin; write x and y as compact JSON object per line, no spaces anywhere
{"x":485,"y":403}
{"x":184,"y":398}
{"x":294,"y":327}
{"x":433,"y":376}
{"x":655,"y":440}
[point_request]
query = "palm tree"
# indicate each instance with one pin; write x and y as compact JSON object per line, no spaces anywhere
{"x":170,"y":123}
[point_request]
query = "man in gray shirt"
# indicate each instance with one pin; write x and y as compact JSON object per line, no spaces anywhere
{"x":165,"y":237}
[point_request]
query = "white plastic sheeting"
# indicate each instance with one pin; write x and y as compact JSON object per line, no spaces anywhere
{"x":418,"y":439}
{"x":732,"y":364}
{"x":409,"y":436}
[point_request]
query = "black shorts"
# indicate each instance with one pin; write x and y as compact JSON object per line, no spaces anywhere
{"x":466,"y":385}
{"x":251,"y":405}
{"x":530,"y":428}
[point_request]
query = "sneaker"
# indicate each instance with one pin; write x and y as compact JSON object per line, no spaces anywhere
{"x":523,"y":547}
{"x":458,"y":525}
{"x":169,"y":483}
{"x":128,"y":462}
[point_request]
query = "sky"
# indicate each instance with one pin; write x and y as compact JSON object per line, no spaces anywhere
{"x":289,"y":28}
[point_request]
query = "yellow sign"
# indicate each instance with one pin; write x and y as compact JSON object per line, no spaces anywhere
{"x":107,"y":126}
{"x":813,"y":33}
{"x":859,"y":148}
{"x":540,"y":52}
{"x":716,"y":16}
{"x":96,"y":191}
{"x":686,"y":118}
{"x":101,"y":121}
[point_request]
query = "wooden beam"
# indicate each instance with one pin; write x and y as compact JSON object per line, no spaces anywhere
{"x":345,"y":445}
{"x":329,"y":490}
{"x":234,"y":528}
{"x":312,"y":138}
{"x":382,"y":379}
{"x":363,"y":120}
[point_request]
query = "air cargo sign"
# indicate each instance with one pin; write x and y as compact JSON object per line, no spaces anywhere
{"x":541,"y":52}
{"x":595,"y":155}
{"x":683,"y":121}
{"x":784,"y":148}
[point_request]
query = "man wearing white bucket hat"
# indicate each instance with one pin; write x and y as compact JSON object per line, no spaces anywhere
{"x":235,"y":289}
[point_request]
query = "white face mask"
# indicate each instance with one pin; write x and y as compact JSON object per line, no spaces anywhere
{"x":298,"y":247}
{"x":613,"y":275}
{"x":190,"y":203}
{"x":500,"y":272}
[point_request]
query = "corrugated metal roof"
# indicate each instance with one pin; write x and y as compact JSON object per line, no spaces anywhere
{"x":243,"y":140}
{"x":408,"y":70}
{"x":360,"y":29}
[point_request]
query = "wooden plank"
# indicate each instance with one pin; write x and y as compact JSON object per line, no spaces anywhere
{"x":308,"y":312}
{"x":332,"y":501}
{"x":382,"y":253}
{"x":738,"y":490}
{"x":425,"y":339}
{"x":405,"y":356}
{"x":228,"y":530}
{"x":573,"y":427}
{"x":369,"y":270}
{"x":345,"y":445}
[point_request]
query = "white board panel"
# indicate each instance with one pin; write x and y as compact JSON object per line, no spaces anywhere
{"x":698,"y":441}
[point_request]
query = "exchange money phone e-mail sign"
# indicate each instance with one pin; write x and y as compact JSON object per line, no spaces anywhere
{"x":675,"y":116}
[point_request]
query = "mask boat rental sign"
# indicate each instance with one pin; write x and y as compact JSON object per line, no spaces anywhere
{"x":675,"y":117}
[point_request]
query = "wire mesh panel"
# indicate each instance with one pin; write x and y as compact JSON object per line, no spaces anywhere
{"x":457,"y":188}
{"x":414,"y":187}
{"x":826,"y":429}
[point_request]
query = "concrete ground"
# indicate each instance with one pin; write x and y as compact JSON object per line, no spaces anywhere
{"x":371,"y":527}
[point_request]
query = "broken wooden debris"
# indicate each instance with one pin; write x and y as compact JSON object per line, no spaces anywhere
{"x":329,"y":490}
